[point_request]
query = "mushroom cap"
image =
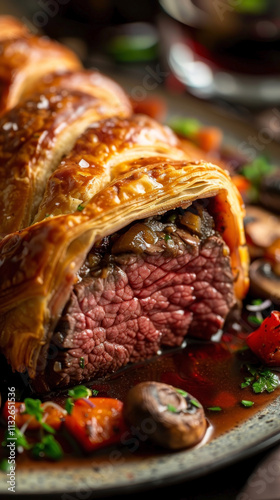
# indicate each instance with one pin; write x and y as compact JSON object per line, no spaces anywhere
{"x":262,"y":228}
{"x":171,"y":418}
{"x":263,"y":281}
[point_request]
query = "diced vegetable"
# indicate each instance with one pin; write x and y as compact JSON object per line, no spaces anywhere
{"x":154,"y":106}
{"x":265,"y":341}
{"x":131,"y":47}
{"x":209,"y":138}
{"x":96,"y":422}
{"x":188,"y":127}
{"x":50,"y":413}
{"x":242,"y":184}
{"x":255,"y":172}
{"x":206,"y":138}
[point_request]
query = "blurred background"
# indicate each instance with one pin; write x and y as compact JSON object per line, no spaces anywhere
{"x":225,"y":51}
{"x":213,"y":60}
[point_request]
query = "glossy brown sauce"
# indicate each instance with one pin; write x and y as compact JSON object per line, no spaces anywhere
{"x":210,"y":371}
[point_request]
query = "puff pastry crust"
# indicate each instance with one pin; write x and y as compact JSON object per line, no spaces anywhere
{"x":75,"y":167}
{"x":11,"y":28}
{"x":25,"y":59}
{"x":39,"y":264}
{"x":37,"y":133}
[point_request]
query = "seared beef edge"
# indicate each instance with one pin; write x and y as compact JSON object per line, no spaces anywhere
{"x":140,"y":290}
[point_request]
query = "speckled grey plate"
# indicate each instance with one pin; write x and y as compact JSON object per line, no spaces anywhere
{"x":113,"y":474}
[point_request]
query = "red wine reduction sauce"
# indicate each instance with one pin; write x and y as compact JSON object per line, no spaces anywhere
{"x":210,"y":371}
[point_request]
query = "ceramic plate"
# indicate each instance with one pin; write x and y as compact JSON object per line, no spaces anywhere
{"x":116,"y":472}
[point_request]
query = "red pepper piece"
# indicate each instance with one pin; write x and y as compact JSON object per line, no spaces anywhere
{"x":265,"y":341}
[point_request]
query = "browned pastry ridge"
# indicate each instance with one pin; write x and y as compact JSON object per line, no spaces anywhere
{"x":37,"y":133}
{"x":75,"y":167}
{"x":11,"y":28}
{"x":25,"y":59}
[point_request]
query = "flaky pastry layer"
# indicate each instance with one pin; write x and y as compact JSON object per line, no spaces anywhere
{"x":40,"y":263}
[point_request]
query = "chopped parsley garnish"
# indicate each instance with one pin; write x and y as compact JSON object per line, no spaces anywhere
{"x":185,"y":126}
{"x":196,"y":403}
{"x":69,"y":405}
{"x":82,"y":362}
{"x":48,"y":428}
{"x":262,"y":379}
{"x":33,"y":408}
{"x":172,"y":408}
{"x":4,"y":465}
{"x":257,"y":302}
{"x":94,"y":392}
{"x":80,"y":391}
{"x":19,"y":437}
{"x":48,"y":447}
{"x":255,"y":320}
{"x":214,"y":408}
{"x":246,"y":403}
{"x":167,"y":237}
{"x":80,"y":208}
{"x":183,"y":393}
{"x":254,"y":172}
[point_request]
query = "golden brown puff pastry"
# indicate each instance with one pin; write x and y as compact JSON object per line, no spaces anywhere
{"x":39,"y":265}
{"x":104,"y":151}
{"x":34,"y":137}
{"x":24,"y":60}
{"x":88,"y":81}
{"x":10,"y":27}
{"x":115,"y":172}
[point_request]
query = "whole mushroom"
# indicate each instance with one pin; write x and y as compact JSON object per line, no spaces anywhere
{"x":262,"y":230}
{"x":176,"y":419}
{"x":265,"y":283}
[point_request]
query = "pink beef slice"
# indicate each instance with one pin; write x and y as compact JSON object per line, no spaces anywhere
{"x":137,"y":305}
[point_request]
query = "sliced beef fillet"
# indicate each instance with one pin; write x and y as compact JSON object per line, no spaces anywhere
{"x":140,"y":290}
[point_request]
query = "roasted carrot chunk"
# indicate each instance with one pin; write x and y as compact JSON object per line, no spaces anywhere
{"x":155,"y":107}
{"x":242,"y":184}
{"x":209,"y":138}
{"x":265,"y":341}
{"x":96,"y":422}
{"x":52,"y":416}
